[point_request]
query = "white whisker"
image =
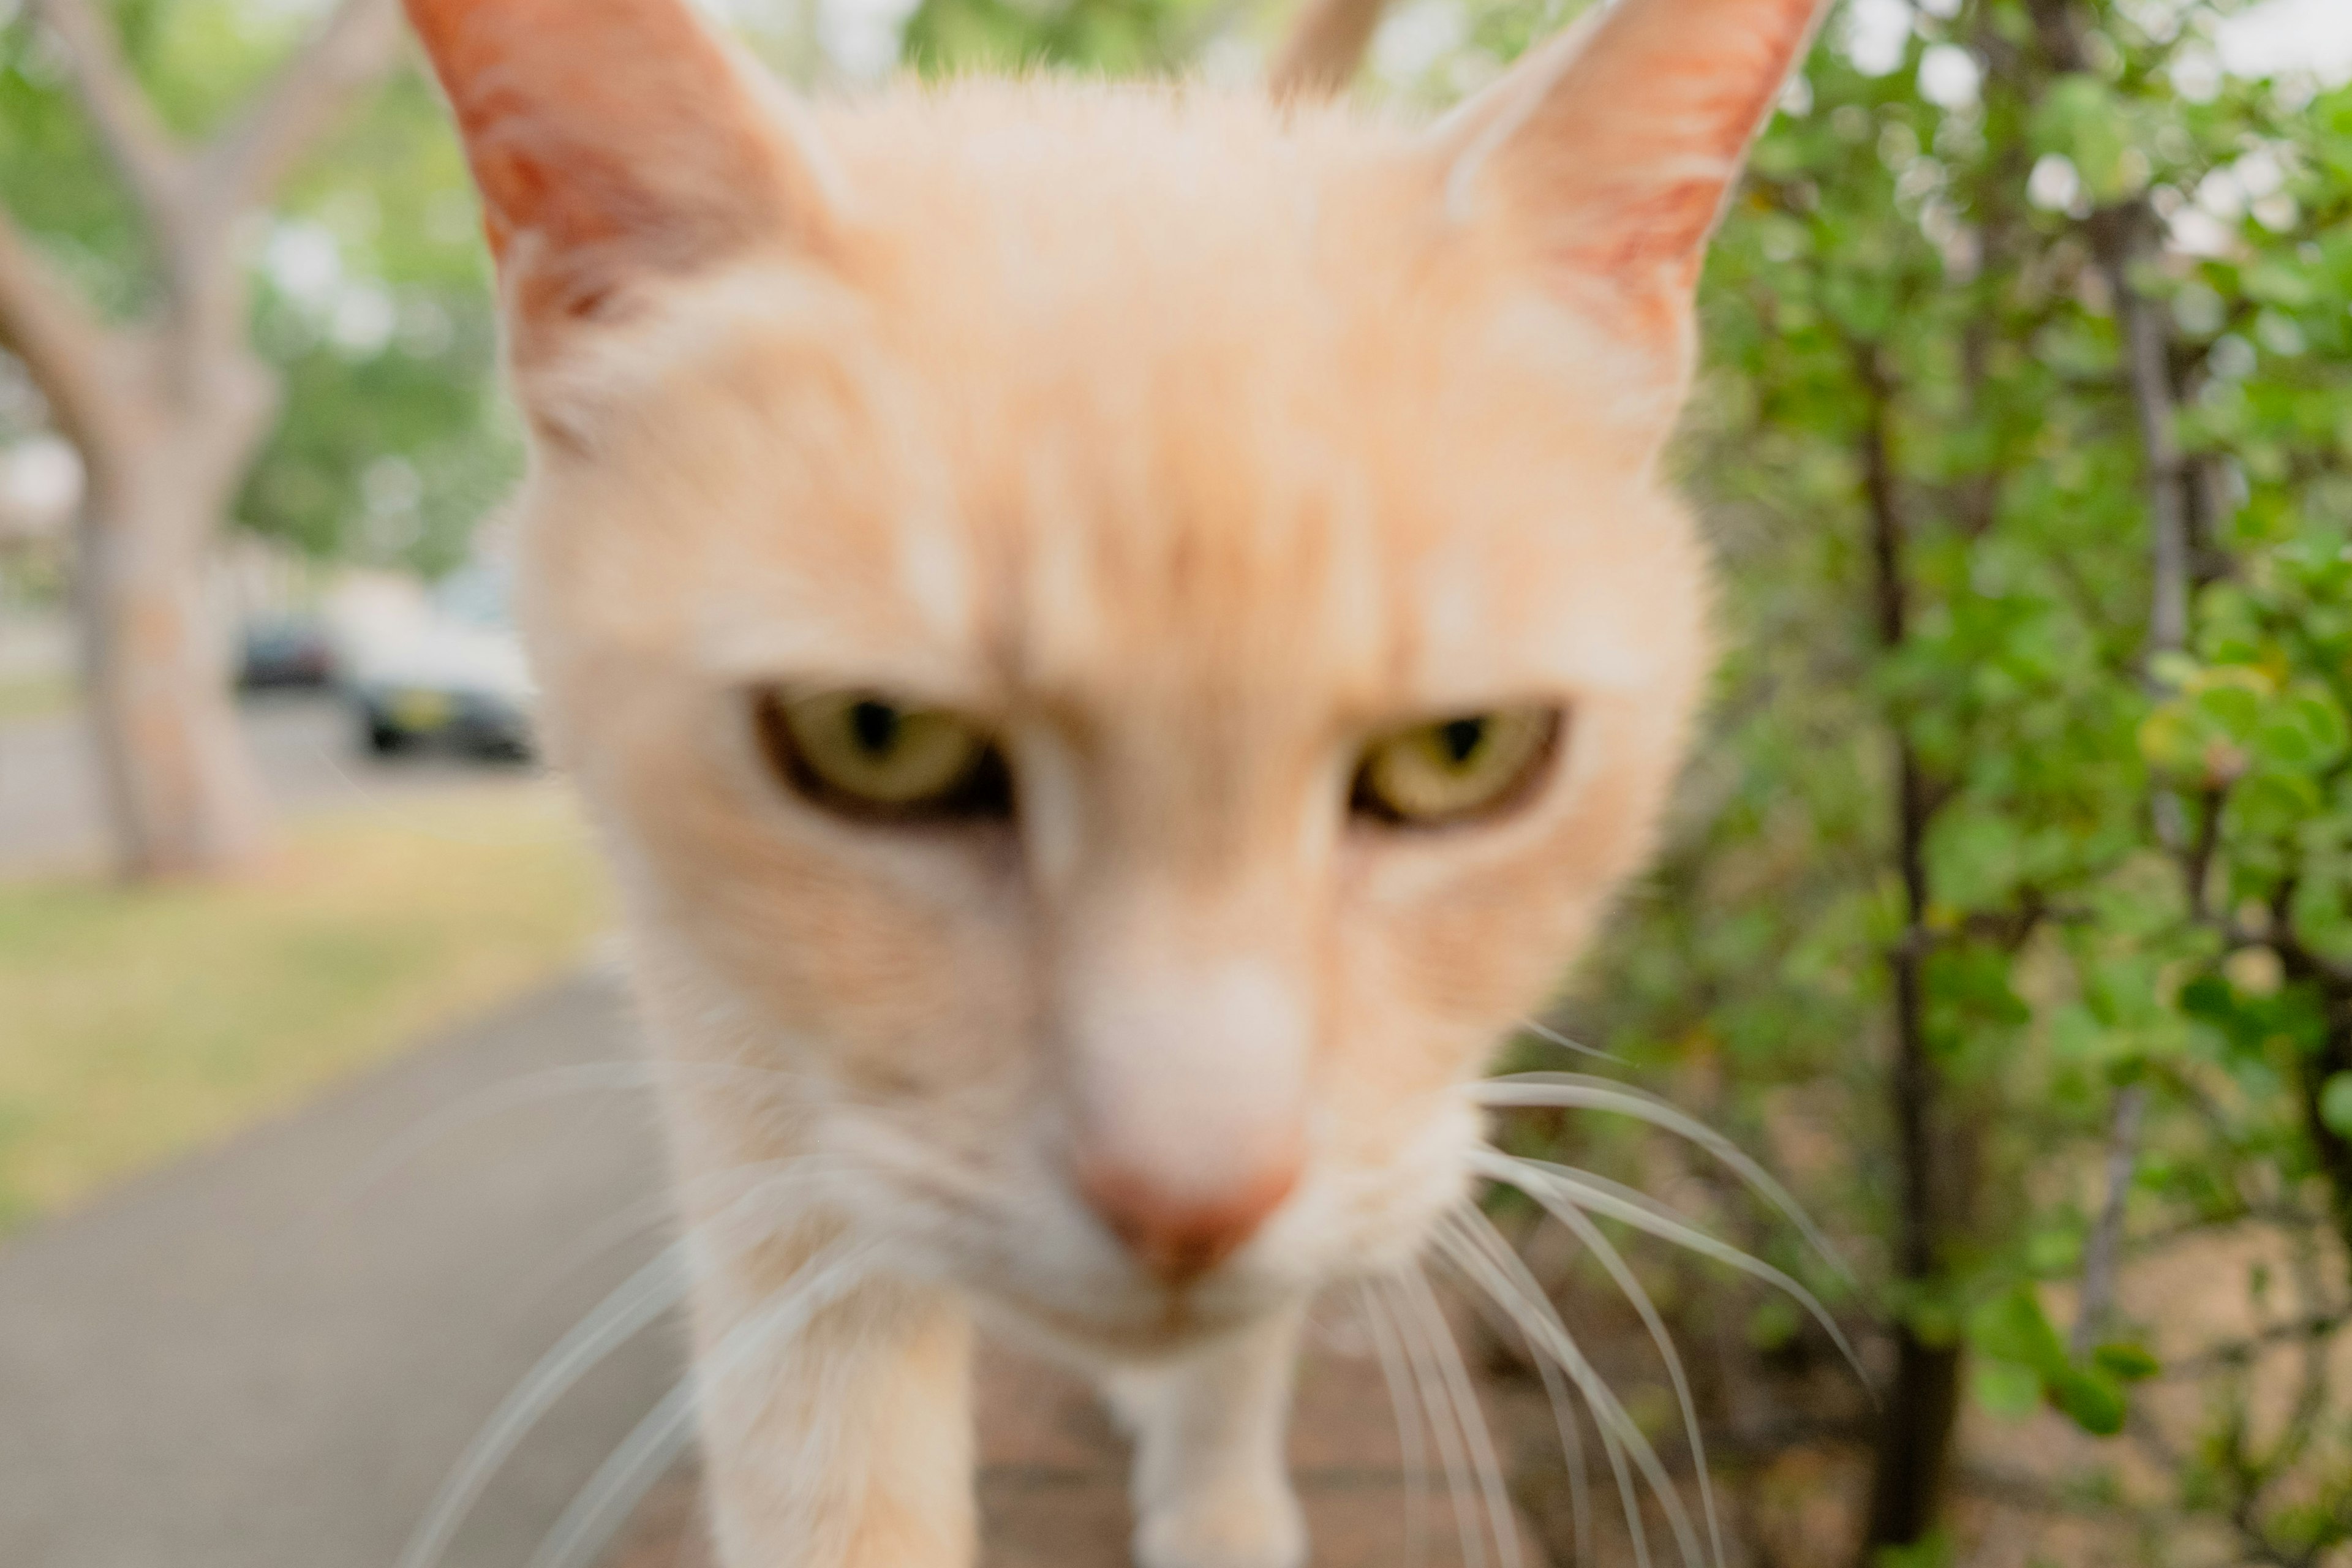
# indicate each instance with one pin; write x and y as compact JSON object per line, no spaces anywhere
{"x":1473,"y":1245}
{"x":1610,"y":1259}
{"x":644,"y":1297}
{"x":1441,"y":1428}
{"x":1462,"y":1238}
{"x":1545,"y":1032}
{"x":600,"y":1508}
{"x":550,"y":1083}
{"x":1500,"y":1517}
{"x":1409,"y":1424}
{"x":1598,"y":1194}
{"x":1571,"y":1445}
{"x":1579,"y":1092}
{"x":507,"y":1094}
{"x":658,"y":1286}
{"x":758,"y":1177}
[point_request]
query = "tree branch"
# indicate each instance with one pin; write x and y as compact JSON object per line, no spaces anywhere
{"x":2102,"y":1252}
{"x":62,"y":342}
{"x":135,"y":138}
{"x":2121,"y":237}
{"x":349,"y":51}
{"x":1325,"y":49}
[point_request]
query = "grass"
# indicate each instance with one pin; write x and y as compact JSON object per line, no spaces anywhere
{"x":137,"y":1024}
{"x":37,"y":696}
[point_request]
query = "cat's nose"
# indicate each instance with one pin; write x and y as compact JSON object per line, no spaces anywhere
{"x":1180,"y":1237}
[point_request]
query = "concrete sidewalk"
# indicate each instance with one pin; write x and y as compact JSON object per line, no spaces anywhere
{"x":240,"y":1361}
{"x":250,"y":1361}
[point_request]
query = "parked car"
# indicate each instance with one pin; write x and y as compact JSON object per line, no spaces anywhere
{"x":285,"y":651}
{"x":456,"y":679}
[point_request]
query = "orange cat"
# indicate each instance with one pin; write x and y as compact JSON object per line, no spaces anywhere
{"x":1117,"y":640}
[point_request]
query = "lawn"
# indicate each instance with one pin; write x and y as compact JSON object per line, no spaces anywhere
{"x":138,"y":1023}
{"x":36,"y":696}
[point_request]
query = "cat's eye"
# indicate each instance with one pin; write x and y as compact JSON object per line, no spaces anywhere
{"x":868,"y":754}
{"x":1456,"y":769}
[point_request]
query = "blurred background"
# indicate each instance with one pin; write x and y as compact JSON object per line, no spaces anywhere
{"x":2007,"y":914}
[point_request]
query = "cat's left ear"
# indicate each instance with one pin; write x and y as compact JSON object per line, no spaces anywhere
{"x":1609,"y":151}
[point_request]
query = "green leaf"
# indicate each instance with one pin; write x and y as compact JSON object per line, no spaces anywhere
{"x":2011,"y":1328}
{"x":2093,"y":1401}
{"x":2274,"y":282}
{"x":2336,"y":1104}
{"x":2235,"y":708}
{"x":2082,"y":119}
{"x":2008,"y":1389}
{"x":2126,"y":1360}
{"x":1972,"y":859}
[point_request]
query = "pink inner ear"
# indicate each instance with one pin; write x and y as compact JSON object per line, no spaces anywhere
{"x":1653,"y":225}
{"x":610,"y":138}
{"x":1616,"y":145}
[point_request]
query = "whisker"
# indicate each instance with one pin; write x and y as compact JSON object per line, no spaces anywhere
{"x":1571,"y":1448}
{"x":1545,"y":1032}
{"x":644,"y":1297}
{"x":1591,"y":1235}
{"x":1571,"y":1445}
{"x":1475,"y":1246}
{"x":1500,"y":1517}
{"x":1450,"y":1451}
{"x":1598,"y":1194}
{"x":600,"y":1508}
{"x":506,"y":1094}
{"x":536,"y":1088}
{"x":638,"y":1217}
{"x":1409,"y":1426}
{"x":1462,"y":1238}
{"x":1579,"y":1092}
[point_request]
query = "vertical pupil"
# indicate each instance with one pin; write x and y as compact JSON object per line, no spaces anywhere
{"x":876,"y":727}
{"x":1461,"y":737}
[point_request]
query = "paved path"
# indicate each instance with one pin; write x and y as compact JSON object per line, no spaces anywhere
{"x":240,"y":1363}
{"x":249,"y":1360}
{"x":52,"y":814}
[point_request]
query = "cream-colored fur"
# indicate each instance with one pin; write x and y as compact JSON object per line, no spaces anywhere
{"x":1185,"y":442}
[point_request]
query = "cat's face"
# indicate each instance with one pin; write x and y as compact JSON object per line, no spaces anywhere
{"x":1119,"y":641}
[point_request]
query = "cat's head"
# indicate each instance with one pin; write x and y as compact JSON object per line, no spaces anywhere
{"x":1117,"y":638}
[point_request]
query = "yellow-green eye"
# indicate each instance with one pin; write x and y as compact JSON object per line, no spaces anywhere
{"x":1454,"y":769}
{"x":868,"y":754}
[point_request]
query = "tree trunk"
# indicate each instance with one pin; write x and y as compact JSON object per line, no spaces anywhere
{"x":2334,"y":1055}
{"x":167,"y":414}
{"x":181,"y":788}
{"x":1922,"y":1407}
{"x":1906,"y":1492}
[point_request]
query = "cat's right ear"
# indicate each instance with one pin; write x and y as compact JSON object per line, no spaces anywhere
{"x":1610,"y":149}
{"x":617,"y":142}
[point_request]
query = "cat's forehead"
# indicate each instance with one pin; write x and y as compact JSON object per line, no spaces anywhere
{"x":1125,"y":391}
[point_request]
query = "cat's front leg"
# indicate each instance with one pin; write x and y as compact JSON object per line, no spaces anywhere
{"x":1212,"y":1487}
{"x":846,"y":1444}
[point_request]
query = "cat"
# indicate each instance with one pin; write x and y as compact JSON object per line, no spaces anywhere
{"x":1116,"y":640}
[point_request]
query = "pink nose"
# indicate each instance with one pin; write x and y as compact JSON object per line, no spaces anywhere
{"x":1181,"y":1238}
